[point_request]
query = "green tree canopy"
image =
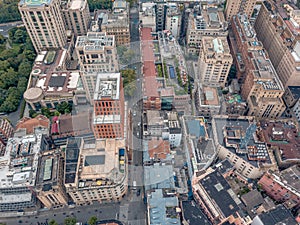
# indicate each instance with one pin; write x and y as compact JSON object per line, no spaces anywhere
{"x":99,"y":4}
{"x":70,"y":221}
{"x":53,"y":222}
{"x":93,"y":220}
{"x":129,"y":77}
{"x":64,"y":108}
{"x":9,"y":11}
{"x":16,"y":58}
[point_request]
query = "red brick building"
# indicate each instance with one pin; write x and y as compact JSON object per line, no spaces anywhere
{"x":109,"y":107}
{"x":283,"y":187}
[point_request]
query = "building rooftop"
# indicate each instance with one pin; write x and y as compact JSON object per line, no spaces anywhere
{"x":283,"y":135}
{"x":49,"y":61}
{"x":279,"y":215}
{"x":239,"y":136}
{"x":60,"y":81}
{"x":100,"y":163}
{"x":77,"y":4}
{"x":35,"y":3}
{"x":288,"y":11}
{"x":158,"y":176}
{"x":161,"y":209}
{"x":29,"y":124}
{"x":50,"y":77}
{"x":158,"y":148}
{"x":108,"y":86}
{"x":72,"y":125}
{"x":252,"y":199}
{"x":295,"y":90}
{"x":19,"y":166}
{"x":193,"y":215}
{"x":95,"y":41}
{"x":48,"y":174}
{"x":216,"y":47}
{"x":200,"y":148}
{"x":71,"y":161}
{"x":119,"y":4}
{"x":207,"y":18}
{"x":289,"y":178}
{"x":196,"y":128}
{"x":220,"y":192}
{"x":224,"y":166}
{"x":209,"y":96}
{"x":154,"y":118}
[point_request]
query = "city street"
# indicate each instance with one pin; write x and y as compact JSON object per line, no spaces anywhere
{"x":82,"y":214}
{"x":131,"y":210}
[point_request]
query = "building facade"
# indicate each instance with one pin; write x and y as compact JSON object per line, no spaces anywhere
{"x":173,"y":19}
{"x":109,"y":107}
{"x":6,"y":131}
{"x":44,"y":23}
{"x":204,"y":21}
{"x":233,"y":7}
{"x":76,"y":15}
{"x":214,"y":61}
{"x":119,"y":27}
{"x":96,"y":53}
{"x":261,"y":88}
{"x":160,"y":16}
{"x":277,"y":27}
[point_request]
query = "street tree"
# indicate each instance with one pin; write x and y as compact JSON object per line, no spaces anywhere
{"x":93,"y":220}
{"x":70,"y":221}
{"x":53,"y":222}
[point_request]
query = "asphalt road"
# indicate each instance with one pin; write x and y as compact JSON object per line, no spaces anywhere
{"x":5,"y":27}
{"x":131,"y":210}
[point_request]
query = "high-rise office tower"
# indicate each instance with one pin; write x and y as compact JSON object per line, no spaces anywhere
{"x":277,"y":27}
{"x":160,"y":13}
{"x":233,"y":7}
{"x":76,"y":14}
{"x":44,"y":23}
{"x":109,"y":111}
{"x":214,"y":60}
{"x":96,"y":53}
{"x":261,"y":86}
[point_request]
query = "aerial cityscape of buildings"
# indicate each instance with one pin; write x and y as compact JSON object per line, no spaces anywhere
{"x":156,"y":112}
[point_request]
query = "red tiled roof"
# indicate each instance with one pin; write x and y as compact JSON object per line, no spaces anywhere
{"x":158,"y":148}
{"x":30,"y":123}
{"x":150,"y":85}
